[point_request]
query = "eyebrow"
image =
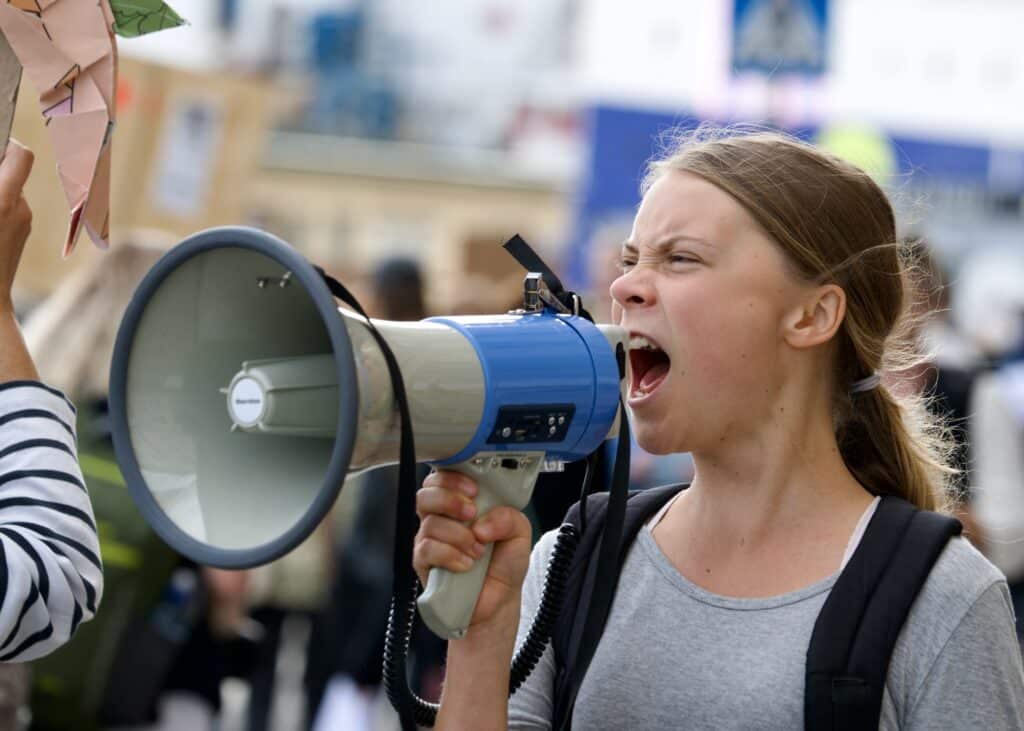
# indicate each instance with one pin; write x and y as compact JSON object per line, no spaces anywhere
{"x":665,"y":243}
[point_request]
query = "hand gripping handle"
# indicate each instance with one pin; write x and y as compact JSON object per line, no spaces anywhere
{"x":447,"y":604}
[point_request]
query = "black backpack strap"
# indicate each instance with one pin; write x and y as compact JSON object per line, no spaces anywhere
{"x":567,"y":637}
{"x":856,"y":631}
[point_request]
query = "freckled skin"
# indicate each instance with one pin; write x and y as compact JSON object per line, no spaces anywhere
{"x":717,"y":318}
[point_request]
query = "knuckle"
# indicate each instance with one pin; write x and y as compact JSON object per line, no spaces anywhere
{"x":421,"y":552}
{"x":466,"y":539}
{"x":453,"y":504}
{"x":429,"y":526}
{"x":437,"y":554}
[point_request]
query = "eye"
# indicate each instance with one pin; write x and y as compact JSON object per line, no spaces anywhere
{"x":625,"y":264}
{"x":681,"y":259}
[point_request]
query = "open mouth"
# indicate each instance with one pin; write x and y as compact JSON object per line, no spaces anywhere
{"x":650,"y":366}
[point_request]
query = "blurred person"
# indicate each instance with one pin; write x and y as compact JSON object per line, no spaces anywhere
{"x":762,"y":283}
{"x":994,"y":300}
{"x":997,"y":430}
{"x":51,"y":577}
{"x":942,"y":376}
{"x":345,"y":681}
{"x":294,"y":586}
{"x":948,"y":375}
{"x":604,"y":250}
{"x":476,"y":294}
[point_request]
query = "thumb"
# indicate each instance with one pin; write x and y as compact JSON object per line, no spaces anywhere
{"x":503,"y":523}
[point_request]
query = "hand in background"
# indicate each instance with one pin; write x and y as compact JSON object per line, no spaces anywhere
{"x":15,"y":215}
{"x":15,"y":223}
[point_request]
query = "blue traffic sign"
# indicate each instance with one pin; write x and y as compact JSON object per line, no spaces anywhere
{"x":780,"y":36}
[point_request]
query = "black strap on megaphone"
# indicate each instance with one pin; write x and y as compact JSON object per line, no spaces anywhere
{"x":561,"y":298}
{"x":404,"y":581}
{"x":405,"y":525}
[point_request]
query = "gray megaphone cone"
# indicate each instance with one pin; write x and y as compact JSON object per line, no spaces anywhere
{"x":222,"y":497}
{"x":241,"y":396}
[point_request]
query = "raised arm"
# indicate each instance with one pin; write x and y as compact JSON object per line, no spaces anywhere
{"x":50,"y":572}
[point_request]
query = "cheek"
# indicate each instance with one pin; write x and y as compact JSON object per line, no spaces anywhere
{"x":727,"y":342}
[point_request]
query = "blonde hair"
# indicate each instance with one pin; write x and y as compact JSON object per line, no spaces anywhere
{"x":835,"y":224}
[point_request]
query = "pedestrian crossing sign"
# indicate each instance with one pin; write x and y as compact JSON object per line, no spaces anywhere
{"x":780,"y":36}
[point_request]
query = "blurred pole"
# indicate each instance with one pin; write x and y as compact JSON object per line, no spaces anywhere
{"x":228,"y":15}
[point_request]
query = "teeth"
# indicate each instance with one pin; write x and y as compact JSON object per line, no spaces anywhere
{"x":638,"y":342}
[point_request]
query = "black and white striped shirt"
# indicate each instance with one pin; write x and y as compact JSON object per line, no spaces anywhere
{"x":51,"y":577}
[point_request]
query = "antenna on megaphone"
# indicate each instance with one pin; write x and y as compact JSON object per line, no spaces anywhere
{"x":242,"y":396}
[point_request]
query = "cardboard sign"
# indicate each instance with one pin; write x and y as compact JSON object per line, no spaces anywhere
{"x":10,"y":80}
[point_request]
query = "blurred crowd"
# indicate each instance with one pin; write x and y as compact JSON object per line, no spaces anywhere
{"x":298,"y":644}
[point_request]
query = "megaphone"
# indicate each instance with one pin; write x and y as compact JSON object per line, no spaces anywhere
{"x":242,"y":396}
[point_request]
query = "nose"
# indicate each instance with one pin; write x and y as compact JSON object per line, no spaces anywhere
{"x":633,"y":289}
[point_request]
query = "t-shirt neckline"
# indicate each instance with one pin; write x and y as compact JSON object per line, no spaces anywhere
{"x":671,"y":573}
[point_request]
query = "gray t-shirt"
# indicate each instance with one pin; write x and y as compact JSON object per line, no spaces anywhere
{"x":674,"y":656}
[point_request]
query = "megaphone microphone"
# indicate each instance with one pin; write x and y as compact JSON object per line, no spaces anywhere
{"x":242,"y":396}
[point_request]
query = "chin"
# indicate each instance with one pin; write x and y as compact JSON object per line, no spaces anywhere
{"x":654,"y":440}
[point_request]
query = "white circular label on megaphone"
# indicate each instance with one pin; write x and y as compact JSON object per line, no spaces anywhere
{"x":246,"y":401}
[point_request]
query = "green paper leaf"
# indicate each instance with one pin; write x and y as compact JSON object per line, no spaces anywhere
{"x":133,"y":18}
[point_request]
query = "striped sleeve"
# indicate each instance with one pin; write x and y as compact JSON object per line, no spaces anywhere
{"x":51,"y":577}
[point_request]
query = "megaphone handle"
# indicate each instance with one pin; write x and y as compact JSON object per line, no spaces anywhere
{"x":447,"y":603}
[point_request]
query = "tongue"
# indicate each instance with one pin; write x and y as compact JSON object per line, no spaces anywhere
{"x":653,"y":375}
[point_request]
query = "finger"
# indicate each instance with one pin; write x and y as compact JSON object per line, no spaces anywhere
{"x":453,"y":533}
{"x":14,"y":170}
{"x":451,"y":480}
{"x":430,"y":554}
{"x":449,"y":503}
{"x":501,"y":524}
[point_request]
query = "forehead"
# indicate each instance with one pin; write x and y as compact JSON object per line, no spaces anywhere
{"x":680,"y":202}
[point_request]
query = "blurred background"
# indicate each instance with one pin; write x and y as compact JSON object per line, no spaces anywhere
{"x":398,"y":145}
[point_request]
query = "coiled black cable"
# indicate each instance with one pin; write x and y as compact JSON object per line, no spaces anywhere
{"x":552,"y":598}
{"x":400,"y":621}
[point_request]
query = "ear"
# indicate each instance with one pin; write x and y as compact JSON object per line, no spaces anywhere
{"x":818,"y":317}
